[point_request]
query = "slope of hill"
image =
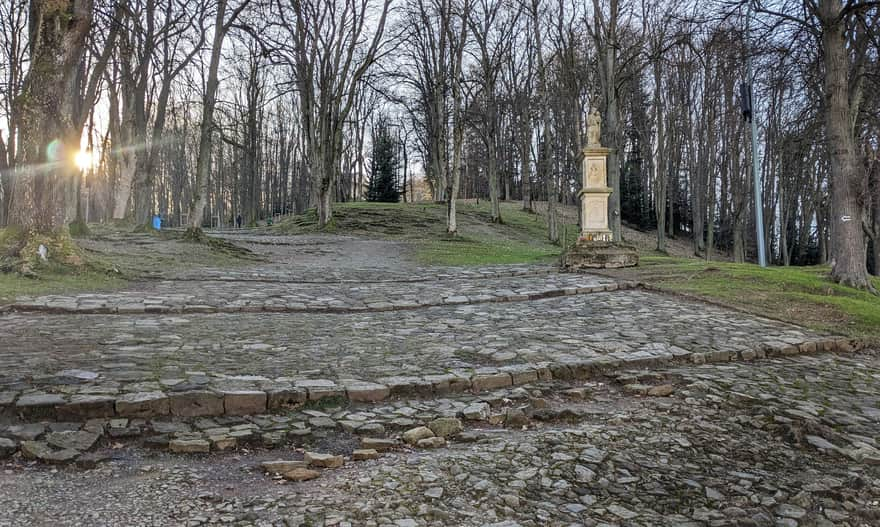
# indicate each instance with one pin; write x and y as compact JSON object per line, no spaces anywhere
{"x":521,"y":238}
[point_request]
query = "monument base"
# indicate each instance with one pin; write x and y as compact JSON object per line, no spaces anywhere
{"x":594,"y":254}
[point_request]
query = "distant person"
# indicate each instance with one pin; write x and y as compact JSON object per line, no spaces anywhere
{"x":238,"y":221}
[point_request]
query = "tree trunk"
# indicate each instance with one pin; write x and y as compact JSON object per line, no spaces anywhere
{"x":494,"y":187}
{"x":526,"y":169}
{"x":5,"y":183}
{"x":849,"y":249}
{"x":48,"y":125}
{"x":206,"y":130}
{"x":660,"y":176}
{"x":875,"y":228}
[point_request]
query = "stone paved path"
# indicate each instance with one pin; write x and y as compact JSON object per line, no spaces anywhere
{"x":780,"y":442}
{"x":583,"y":401}
{"x":264,"y":330}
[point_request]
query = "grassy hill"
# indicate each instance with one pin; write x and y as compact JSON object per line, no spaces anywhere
{"x":522,"y":238}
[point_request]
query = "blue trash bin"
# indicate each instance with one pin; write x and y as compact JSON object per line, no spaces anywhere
{"x":157,"y":222}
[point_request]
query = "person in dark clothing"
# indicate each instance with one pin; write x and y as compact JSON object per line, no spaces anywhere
{"x":238,"y":221}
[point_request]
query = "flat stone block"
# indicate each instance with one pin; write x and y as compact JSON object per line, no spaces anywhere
{"x":490,"y":381}
{"x":544,"y":373}
{"x":189,"y":446}
{"x":314,"y":383}
{"x":286,"y":397}
{"x":26,"y":432}
{"x":521,"y":374}
{"x":364,"y":454}
{"x":301,"y":474}
{"x":38,"y":405}
{"x":316,"y":394}
{"x":221,"y":443}
{"x":281,"y":466}
{"x":378,"y":444}
{"x":42,"y":451}
{"x":244,"y":402}
{"x":323,"y":460}
{"x":476,"y":412}
{"x":81,"y":441}
{"x":448,"y":383}
{"x":367,"y":392}
{"x":196,"y":404}
{"x":84,"y":407}
{"x":320,"y":388}
{"x":143,"y":404}
{"x":407,"y":386}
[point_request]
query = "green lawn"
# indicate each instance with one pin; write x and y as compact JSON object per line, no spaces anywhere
{"x":56,"y":282}
{"x":522,"y":238}
{"x":802,"y":295}
{"x":106,"y":259}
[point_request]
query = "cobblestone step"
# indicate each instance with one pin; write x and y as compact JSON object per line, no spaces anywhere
{"x":77,"y":395}
{"x":333,"y":302}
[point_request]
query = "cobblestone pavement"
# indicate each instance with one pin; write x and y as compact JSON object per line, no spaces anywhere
{"x":497,"y":396}
{"x":233,"y":296}
{"x":786,"y":442}
{"x":111,"y":355}
{"x":477,"y":329}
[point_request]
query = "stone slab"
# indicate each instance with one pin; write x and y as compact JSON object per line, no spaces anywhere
{"x":196,"y":403}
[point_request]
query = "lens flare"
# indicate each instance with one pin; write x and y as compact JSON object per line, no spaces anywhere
{"x":53,"y":151}
{"x":85,"y":159}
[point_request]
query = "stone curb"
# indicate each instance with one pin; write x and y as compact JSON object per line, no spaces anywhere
{"x":142,"y":309}
{"x":430,"y":279}
{"x":37,"y":406}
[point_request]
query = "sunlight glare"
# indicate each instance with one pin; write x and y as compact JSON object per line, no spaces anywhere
{"x":85,"y":159}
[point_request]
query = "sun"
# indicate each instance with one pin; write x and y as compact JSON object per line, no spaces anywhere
{"x":86,"y":159}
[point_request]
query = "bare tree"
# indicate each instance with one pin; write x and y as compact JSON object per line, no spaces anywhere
{"x":844,"y":34}
{"x":323,"y":42}
{"x":222,"y":24}
{"x":492,"y":26}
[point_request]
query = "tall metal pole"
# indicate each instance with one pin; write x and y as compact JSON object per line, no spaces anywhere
{"x":759,"y":200}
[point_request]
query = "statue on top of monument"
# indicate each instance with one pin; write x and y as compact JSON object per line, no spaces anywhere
{"x":594,"y":128}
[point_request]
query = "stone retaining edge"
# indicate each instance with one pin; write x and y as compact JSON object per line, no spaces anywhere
{"x":211,"y":402}
{"x":206,"y":309}
{"x":441,"y":278}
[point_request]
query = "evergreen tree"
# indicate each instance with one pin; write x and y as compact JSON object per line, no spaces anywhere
{"x":382,"y":185}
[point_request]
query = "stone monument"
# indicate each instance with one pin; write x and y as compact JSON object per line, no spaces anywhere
{"x":596,"y":247}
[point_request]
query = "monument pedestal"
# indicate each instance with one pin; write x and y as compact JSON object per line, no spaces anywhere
{"x":596,"y":248}
{"x":592,"y":254}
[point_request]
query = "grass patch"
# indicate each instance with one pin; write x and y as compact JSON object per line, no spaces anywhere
{"x":522,"y":238}
{"x":461,"y":251}
{"x":104,"y":259}
{"x":67,"y":270}
{"x":800,"y":295}
{"x":55,"y":280}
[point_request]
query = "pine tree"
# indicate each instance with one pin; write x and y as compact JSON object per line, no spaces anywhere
{"x":382,"y":185}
